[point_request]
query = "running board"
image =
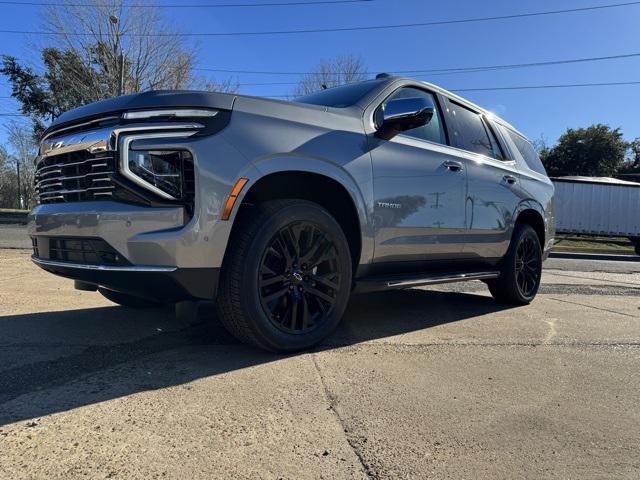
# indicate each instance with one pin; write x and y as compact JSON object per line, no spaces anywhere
{"x":373,"y":284}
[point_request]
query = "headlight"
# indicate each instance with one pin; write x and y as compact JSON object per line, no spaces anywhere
{"x":161,"y":169}
{"x":167,"y":173}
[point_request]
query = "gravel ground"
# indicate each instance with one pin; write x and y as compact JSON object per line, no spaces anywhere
{"x":422,"y":383}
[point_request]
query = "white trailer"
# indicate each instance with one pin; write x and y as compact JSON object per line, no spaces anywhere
{"x":602,"y":206}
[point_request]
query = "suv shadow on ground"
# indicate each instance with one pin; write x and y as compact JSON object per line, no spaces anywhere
{"x":81,"y":345}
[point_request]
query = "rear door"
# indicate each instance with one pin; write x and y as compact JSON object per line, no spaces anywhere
{"x":419,"y":187}
{"x":493,"y":191}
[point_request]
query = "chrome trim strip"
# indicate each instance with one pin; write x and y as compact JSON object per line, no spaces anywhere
{"x":44,"y":181}
{"x":78,"y":190}
{"x":107,"y":268}
{"x":79,"y":125}
{"x":71,"y":164}
{"x":443,"y":279}
{"x":174,"y":112}
{"x":100,"y":140}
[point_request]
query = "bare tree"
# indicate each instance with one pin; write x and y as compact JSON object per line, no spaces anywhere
{"x":8,"y":186}
{"x":211,"y":85}
{"x":23,"y":152}
{"x":132,"y":49}
{"x":332,"y":73}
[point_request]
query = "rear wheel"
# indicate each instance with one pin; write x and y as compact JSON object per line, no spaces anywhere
{"x":286,"y":279}
{"x":521,"y":269}
{"x":127,"y":300}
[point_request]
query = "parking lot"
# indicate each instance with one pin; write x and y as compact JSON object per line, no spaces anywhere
{"x":422,"y":383}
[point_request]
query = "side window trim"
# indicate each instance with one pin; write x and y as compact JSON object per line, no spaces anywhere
{"x":438,"y":103}
{"x":491,"y":132}
{"x":507,"y":147}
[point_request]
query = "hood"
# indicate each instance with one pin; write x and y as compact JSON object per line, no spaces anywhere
{"x":151,"y":99}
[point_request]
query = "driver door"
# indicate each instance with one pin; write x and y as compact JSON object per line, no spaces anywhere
{"x":419,"y":186}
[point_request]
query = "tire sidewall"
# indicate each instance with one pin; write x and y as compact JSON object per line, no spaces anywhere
{"x":264,"y":328}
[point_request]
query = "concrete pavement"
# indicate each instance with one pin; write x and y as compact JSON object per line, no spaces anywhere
{"x":439,"y":383}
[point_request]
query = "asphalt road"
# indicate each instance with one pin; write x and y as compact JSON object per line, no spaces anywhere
{"x":14,"y":236}
{"x":438,"y":383}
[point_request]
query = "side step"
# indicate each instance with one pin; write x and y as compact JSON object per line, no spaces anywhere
{"x":372,"y":284}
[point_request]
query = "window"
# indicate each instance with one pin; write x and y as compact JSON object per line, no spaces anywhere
{"x":341,"y":97}
{"x":527,"y":151}
{"x":473,"y":134}
{"x":432,"y":131}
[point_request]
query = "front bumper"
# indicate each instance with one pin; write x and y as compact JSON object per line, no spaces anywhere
{"x":157,"y":256}
{"x":159,"y":283}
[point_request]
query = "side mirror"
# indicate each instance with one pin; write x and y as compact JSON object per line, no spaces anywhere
{"x":402,"y":114}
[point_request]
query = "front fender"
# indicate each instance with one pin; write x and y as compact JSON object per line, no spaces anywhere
{"x":355,"y":178}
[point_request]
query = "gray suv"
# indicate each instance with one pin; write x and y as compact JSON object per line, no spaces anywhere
{"x":279,"y":210}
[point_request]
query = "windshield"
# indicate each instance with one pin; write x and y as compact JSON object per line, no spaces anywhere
{"x":341,"y":97}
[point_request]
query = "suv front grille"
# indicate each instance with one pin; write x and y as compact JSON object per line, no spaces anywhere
{"x":75,"y":177}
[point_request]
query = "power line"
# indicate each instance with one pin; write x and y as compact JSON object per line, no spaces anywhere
{"x":342,"y":29}
{"x":530,"y":87}
{"x":521,"y":87}
{"x":433,"y":71}
{"x":204,"y":5}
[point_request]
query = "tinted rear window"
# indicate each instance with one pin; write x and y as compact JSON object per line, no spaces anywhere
{"x":473,"y":135}
{"x":527,"y":151}
{"x":340,"y":97}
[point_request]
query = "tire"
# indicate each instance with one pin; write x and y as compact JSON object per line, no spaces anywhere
{"x":520,"y":269}
{"x":286,"y":278}
{"x":127,"y":300}
{"x":637,"y":248}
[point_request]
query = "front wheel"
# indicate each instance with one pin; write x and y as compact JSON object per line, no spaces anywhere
{"x":286,"y":279}
{"x":521,"y":269}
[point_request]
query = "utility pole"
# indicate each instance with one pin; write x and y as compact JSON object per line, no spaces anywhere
{"x":19,"y":190}
{"x":121,"y":90}
{"x":118,"y":53}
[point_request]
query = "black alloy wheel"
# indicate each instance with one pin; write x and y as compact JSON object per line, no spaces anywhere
{"x":299,"y":277}
{"x":528,"y":266}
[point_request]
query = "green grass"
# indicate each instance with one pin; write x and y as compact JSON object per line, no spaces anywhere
{"x":621,"y":246}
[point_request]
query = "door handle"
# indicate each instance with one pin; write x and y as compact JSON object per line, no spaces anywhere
{"x":510,"y":179}
{"x":453,"y":166}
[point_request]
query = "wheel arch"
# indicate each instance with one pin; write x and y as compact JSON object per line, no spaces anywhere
{"x":337,"y":192}
{"x":530,"y":214}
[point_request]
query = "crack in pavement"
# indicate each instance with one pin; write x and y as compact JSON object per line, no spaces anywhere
{"x":585,"y":277}
{"x":332,"y":406}
{"x":414,"y":347}
{"x":591,"y":306}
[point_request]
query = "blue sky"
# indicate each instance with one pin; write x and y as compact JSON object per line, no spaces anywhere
{"x":535,"y":112}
